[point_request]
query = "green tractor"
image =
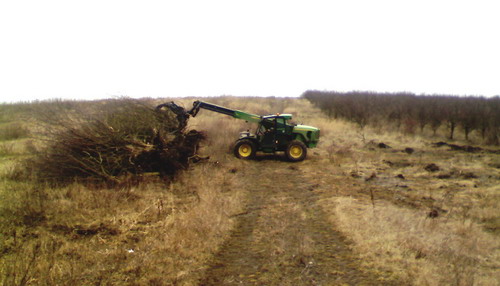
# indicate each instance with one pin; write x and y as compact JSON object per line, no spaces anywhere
{"x":274,"y":132}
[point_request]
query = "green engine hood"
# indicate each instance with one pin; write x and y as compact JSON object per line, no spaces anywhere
{"x":308,"y":134}
{"x":305,"y":128}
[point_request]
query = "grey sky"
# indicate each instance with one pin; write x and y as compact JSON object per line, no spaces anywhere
{"x":98,"y":49}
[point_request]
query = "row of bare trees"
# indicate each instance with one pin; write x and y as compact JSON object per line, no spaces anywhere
{"x":408,"y":112}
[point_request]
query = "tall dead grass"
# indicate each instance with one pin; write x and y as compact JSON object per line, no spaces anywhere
{"x":418,"y":249}
{"x":13,"y":131}
{"x":149,"y":234}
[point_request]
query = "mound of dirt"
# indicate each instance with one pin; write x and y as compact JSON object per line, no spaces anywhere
{"x":432,"y":167}
{"x":408,"y":150}
{"x":127,"y":140}
{"x":465,"y":148}
{"x":382,"y":145}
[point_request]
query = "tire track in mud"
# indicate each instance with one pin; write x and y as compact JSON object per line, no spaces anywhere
{"x":284,"y":237}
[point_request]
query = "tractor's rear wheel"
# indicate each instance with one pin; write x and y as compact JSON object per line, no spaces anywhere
{"x":296,"y":151}
{"x":245,"y":149}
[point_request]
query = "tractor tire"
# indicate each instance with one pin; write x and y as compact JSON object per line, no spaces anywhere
{"x":245,"y":149}
{"x":296,"y":151}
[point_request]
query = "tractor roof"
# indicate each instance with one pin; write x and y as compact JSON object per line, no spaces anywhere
{"x":272,"y":116}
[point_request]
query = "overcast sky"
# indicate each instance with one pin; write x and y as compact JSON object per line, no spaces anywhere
{"x":100,"y":49}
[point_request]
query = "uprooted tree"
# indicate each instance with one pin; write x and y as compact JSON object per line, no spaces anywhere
{"x":125,"y":139}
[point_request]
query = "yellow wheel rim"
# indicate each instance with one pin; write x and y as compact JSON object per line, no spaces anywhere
{"x":296,"y":152}
{"x":245,"y":150}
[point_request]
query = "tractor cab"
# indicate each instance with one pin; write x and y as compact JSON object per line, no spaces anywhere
{"x":274,"y":133}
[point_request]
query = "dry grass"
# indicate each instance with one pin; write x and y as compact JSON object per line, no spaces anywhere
{"x":418,"y":249}
{"x":150,"y":234}
{"x":164,"y":234}
{"x":13,"y":131}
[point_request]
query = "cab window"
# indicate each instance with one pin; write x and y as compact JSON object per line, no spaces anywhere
{"x":280,"y":124}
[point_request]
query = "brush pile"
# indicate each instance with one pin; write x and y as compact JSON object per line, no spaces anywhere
{"x":124,"y":140}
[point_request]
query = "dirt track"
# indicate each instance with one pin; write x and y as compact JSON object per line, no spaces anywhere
{"x":283,"y":237}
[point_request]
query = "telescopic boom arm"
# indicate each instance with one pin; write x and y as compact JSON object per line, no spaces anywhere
{"x":224,"y":110}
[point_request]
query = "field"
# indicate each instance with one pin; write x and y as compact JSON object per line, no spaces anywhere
{"x":371,"y":205}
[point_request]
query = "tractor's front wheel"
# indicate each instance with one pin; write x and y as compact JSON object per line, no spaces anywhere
{"x":245,"y":149}
{"x":296,"y":151}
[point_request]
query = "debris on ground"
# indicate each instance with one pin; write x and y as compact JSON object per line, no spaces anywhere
{"x":372,"y":176}
{"x":464,"y":148}
{"x":433,"y":213}
{"x":409,"y":150}
{"x":400,"y":164}
{"x":373,"y":144}
{"x":432,"y":167}
{"x":457,"y":174}
{"x":444,"y":176}
{"x":468,"y":175}
{"x":436,"y":212}
{"x":382,"y":145}
{"x":355,"y":174}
